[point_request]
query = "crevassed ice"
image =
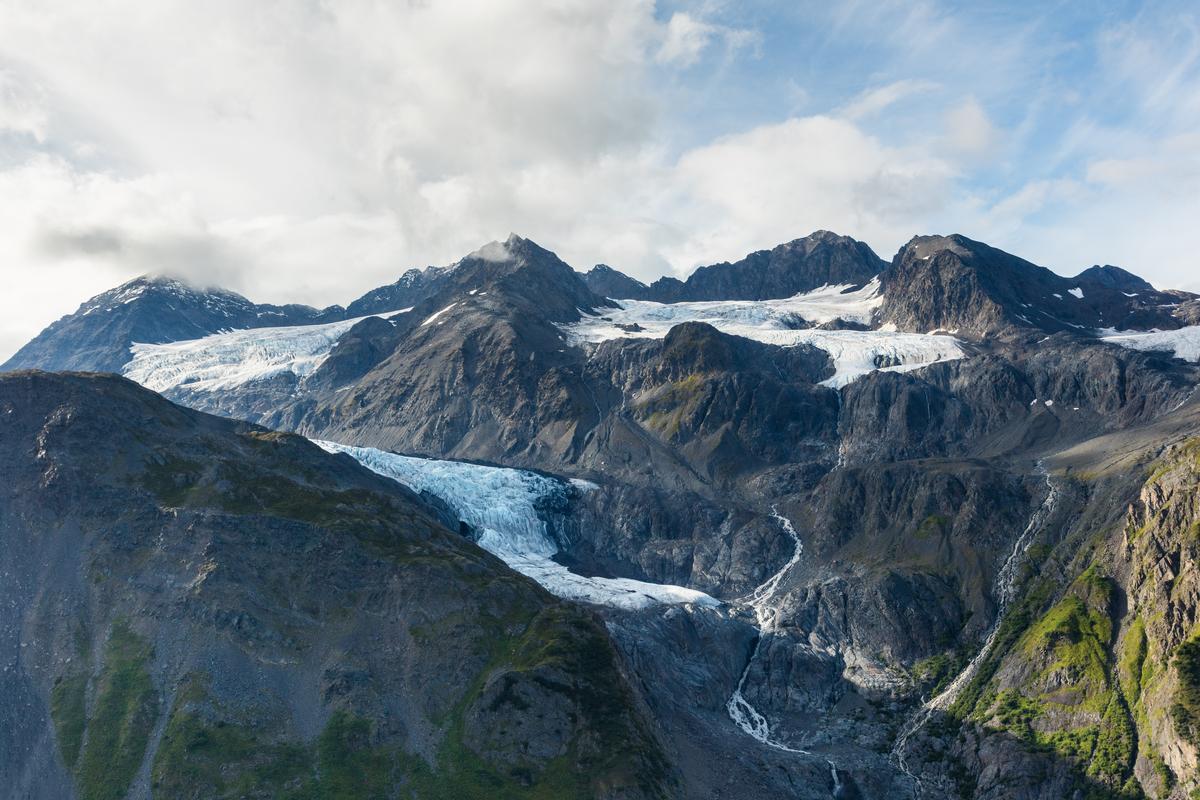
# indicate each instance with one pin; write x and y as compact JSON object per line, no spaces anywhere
{"x":854,"y":353}
{"x":1183,"y":343}
{"x":501,"y":504}
{"x":223,"y":361}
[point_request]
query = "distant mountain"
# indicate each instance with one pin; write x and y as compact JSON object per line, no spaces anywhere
{"x":412,"y":287}
{"x":957,"y":284}
{"x":820,"y":259}
{"x":149,"y":309}
{"x":608,"y":282}
{"x":1111,"y":277}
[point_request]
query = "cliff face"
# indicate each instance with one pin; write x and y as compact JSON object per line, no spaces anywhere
{"x":193,"y":607}
{"x":1090,"y":686}
{"x":1158,"y":664}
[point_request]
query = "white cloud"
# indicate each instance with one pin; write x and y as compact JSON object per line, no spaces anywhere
{"x":873,"y":101}
{"x":310,"y":151}
{"x":685,"y":40}
{"x":969,"y":131}
{"x":777,"y":182}
{"x":687,"y":36}
{"x":21,"y":106}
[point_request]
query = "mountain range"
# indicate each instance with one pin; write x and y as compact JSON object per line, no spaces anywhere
{"x":811,"y":524}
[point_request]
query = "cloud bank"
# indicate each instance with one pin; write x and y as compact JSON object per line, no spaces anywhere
{"x":308,"y":152}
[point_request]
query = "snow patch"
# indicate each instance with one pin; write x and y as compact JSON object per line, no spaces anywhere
{"x":502,"y":504}
{"x":782,"y":322}
{"x":436,"y":314}
{"x":1076,"y":291}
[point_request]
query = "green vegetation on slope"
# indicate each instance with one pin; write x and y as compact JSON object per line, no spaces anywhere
{"x":351,"y":760}
{"x":69,"y":713}
{"x":1185,"y":710}
{"x":106,"y":748}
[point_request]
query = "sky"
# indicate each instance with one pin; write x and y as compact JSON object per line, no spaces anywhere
{"x":307,"y":151}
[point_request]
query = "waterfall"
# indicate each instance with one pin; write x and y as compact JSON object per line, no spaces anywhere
{"x":1004,"y":590}
{"x":740,"y":710}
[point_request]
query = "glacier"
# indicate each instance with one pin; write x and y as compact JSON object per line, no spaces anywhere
{"x":1182,"y":343}
{"x":778,"y":322}
{"x":501,"y":504}
{"x":230,"y":359}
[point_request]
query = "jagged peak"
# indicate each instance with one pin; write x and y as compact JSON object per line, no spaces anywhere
{"x":157,"y":283}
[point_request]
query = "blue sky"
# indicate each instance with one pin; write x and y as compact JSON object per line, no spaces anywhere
{"x":309,"y":151}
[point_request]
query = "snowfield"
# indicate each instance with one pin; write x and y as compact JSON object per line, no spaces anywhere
{"x":224,"y":361}
{"x":1183,"y":343}
{"x":854,"y":353}
{"x":501,"y":504}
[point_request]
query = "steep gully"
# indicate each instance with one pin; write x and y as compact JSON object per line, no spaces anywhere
{"x":1004,"y":591}
{"x":745,"y":715}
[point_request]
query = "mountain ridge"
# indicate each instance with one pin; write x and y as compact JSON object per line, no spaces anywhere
{"x":865,"y":482}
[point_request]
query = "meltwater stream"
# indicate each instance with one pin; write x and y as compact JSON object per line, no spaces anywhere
{"x":1005,"y":589}
{"x":501,"y":504}
{"x":745,"y":715}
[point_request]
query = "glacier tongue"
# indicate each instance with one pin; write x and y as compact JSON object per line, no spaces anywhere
{"x":224,"y":361}
{"x":1182,"y":343}
{"x":502,"y":504}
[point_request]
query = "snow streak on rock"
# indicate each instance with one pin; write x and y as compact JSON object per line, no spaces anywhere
{"x":502,"y":506}
{"x":785,"y":322}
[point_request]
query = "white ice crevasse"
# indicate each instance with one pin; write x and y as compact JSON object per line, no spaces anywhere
{"x":853,"y":353}
{"x":1182,"y":343}
{"x":501,"y":504}
{"x":228,"y":360}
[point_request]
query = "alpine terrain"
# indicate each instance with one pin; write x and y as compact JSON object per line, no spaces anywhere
{"x":812,"y":524}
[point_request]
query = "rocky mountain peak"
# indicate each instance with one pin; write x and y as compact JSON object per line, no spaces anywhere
{"x":1113,"y":278}
{"x":923,"y":247}
{"x":820,"y":259}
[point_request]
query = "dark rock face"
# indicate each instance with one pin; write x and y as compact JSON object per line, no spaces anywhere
{"x":608,"y":282}
{"x":821,"y":259}
{"x":192,"y":605}
{"x":1111,"y":277}
{"x":954,"y":283}
{"x":410,"y":289}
